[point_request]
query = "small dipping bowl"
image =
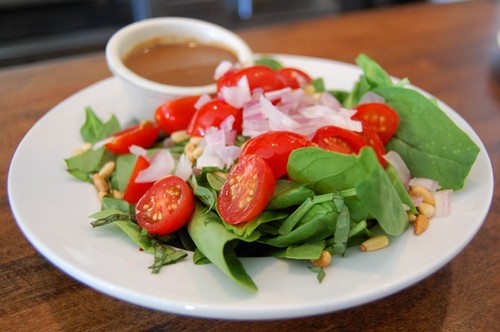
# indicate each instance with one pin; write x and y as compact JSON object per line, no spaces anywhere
{"x":146,"y":95}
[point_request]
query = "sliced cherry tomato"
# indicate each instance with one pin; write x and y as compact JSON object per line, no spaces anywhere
{"x":143,"y":135}
{"x":295,"y":78}
{"x":134,"y":190}
{"x":246,"y":191}
{"x":258,"y":76}
{"x":166,"y":206}
{"x":382,"y":118}
{"x":275,"y":148}
{"x":339,"y":140}
{"x":211,"y":114}
{"x":373,"y":139}
{"x":176,"y":114}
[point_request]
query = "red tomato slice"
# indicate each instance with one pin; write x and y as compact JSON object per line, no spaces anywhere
{"x":176,"y":114}
{"x":211,"y":114}
{"x":339,"y":140}
{"x":382,"y":118}
{"x":275,"y":148}
{"x":134,"y":190}
{"x":373,"y":139}
{"x":143,"y":135}
{"x":258,"y":76}
{"x":246,"y":191}
{"x":166,"y":206}
{"x":295,"y":78}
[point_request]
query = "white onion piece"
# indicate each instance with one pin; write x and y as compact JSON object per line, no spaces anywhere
{"x":277,"y":94}
{"x":371,"y":97}
{"x":443,"y":202}
{"x":430,"y":184}
{"x":222,"y":69}
{"x":184,"y":168}
{"x":402,"y":170}
{"x":138,"y":151}
{"x":161,"y":165}
{"x":204,"y":98}
{"x":328,"y":100}
{"x":236,"y":96}
{"x":417,"y":200}
{"x":217,"y":146}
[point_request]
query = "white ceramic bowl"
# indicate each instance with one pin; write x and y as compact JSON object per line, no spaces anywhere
{"x":145,"y":95}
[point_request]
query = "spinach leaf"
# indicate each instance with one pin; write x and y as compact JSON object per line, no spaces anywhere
{"x":83,"y":165}
{"x":305,"y":251}
{"x":126,"y":224}
{"x":218,"y":245}
{"x":288,"y":194}
{"x":329,"y":172}
{"x":269,"y":62}
{"x":429,"y":142}
{"x":94,"y":129}
{"x":317,"y":224}
{"x":373,"y":76}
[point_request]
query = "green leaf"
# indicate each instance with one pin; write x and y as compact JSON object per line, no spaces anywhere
{"x":306,"y":251}
{"x":378,"y":195}
{"x":269,"y":62}
{"x":320,"y":272}
{"x":287,"y":194}
{"x":342,"y":227}
{"x":86,"y":163}
{"x":373,"y":76}
{"x":95,"y":130}
{"x":165,"y":255}
{"x":218,"y":244}
{"x":374,"y":190}
{"x":429,"y":142}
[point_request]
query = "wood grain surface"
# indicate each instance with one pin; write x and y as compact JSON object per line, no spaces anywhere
{"x":449,"y":50}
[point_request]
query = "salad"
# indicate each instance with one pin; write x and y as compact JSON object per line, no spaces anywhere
{"x":275,"y":164}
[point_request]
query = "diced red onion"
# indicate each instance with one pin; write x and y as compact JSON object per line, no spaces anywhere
{"x":236,"y":96}
{"x":371,"y":97}
{"x":430,"y":184}
{"x":161,"y":165}
{"x":204,"y":98}
{"x":443,"y":202}
{"x":222,"y":69}
{"x":138,"y":151}
{"x":417,"y":200}
{"x":328,"y":100}
{"x":402,"y":170}
{"x":277,"y":94}
{"x":184,"y":168}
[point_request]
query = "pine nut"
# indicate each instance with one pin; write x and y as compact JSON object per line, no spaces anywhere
{"x":100,"y":183}
{"x":197,"y":152}
{"x":188,"y":151}
{"x":424,"y":193}
{"x":420,"y":224}
{"x":101,"y":195}
{"x":411,"y":217}
{"x":85,"y":147}
{"x":426,"y":209}
{"x":117,"y":194}
{"x":195,"y":140}
{"x":179,"y":136}
{"x":107,"y":169}
{"x":324,"y":260}
{"x":375,"y":243}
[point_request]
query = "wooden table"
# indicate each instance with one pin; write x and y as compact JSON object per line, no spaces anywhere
{"x":448,"y":50}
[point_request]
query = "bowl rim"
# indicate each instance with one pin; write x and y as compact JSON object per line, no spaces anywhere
{"x":117,"y":67}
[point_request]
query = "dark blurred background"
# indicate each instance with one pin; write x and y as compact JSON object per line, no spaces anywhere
{"x":31,"y":30}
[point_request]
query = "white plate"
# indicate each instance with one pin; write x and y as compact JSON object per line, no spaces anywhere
{"x":52,"y":209}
